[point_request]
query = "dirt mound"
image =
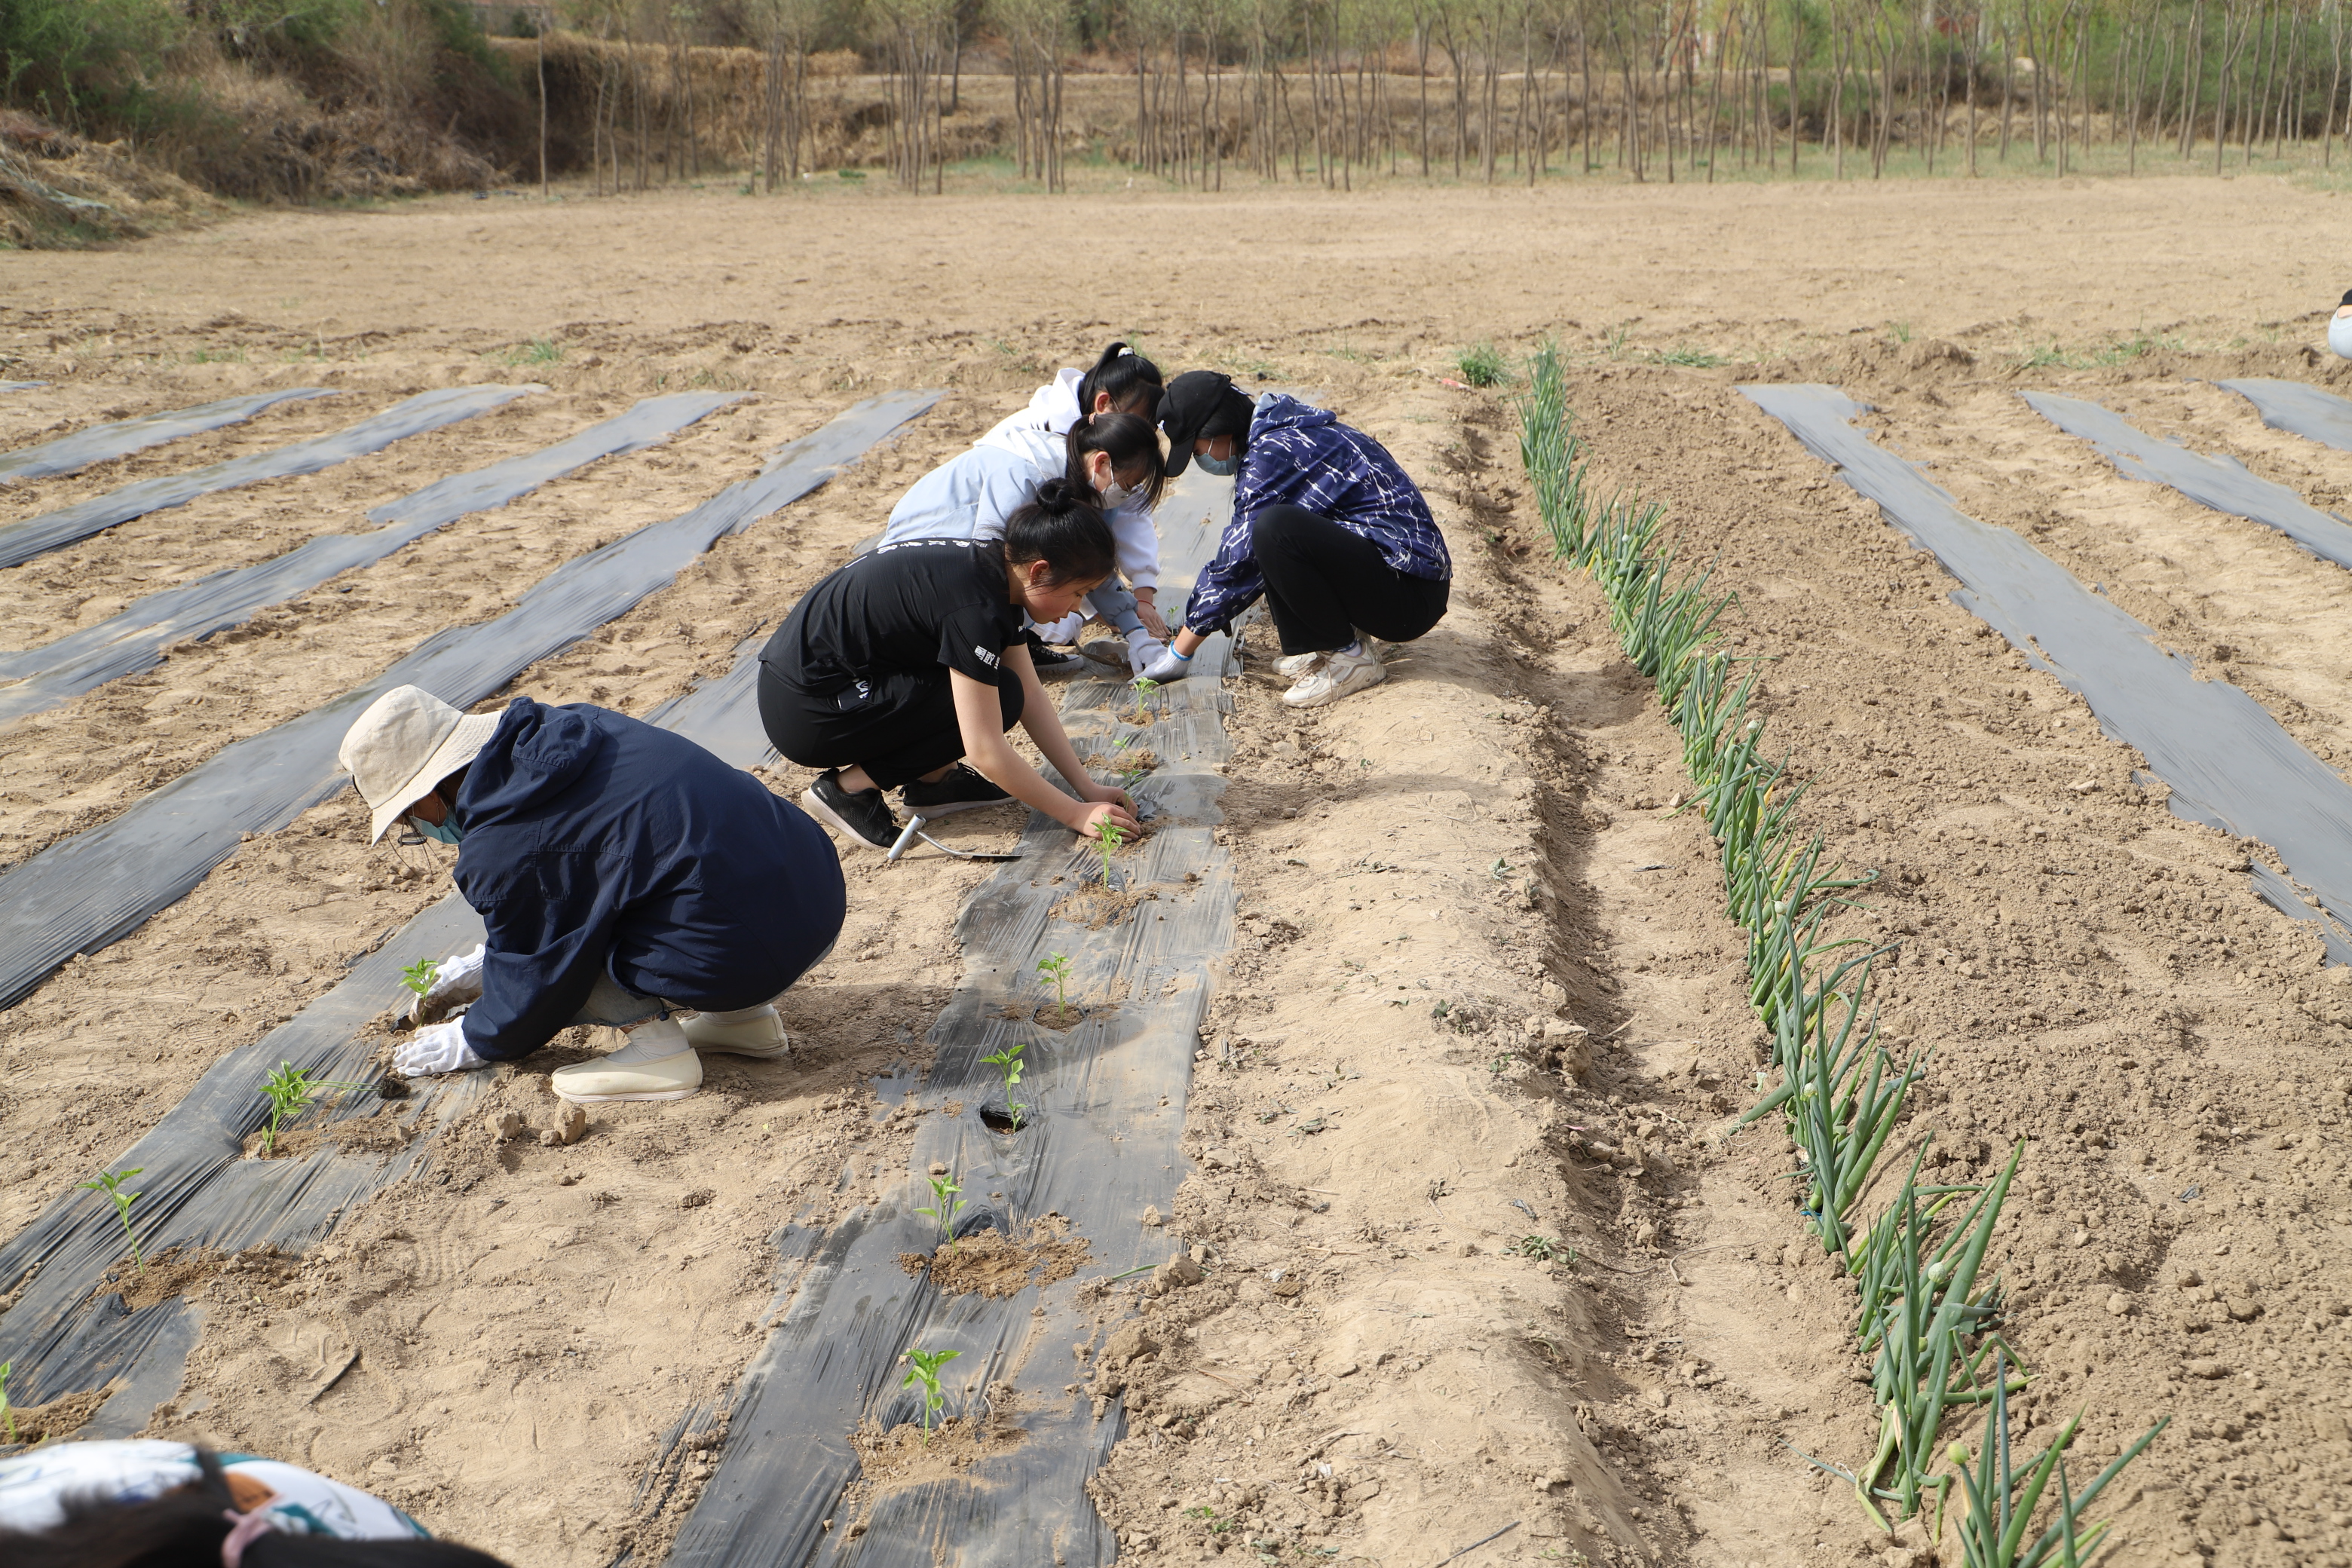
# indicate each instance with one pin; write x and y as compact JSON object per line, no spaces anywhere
{"x":60,"y":191}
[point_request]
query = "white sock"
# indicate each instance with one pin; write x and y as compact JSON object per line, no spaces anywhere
{"x":658,"y":1040}
{"x":1354,"y":650}
{"x":741,"y":1015}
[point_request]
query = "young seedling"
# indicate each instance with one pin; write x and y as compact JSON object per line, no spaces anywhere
{"x":1109,"y":836}
{"x":1007,"y":1062}
{"x":926,"y":1374}
{"x":110,"y":1183}
{"x":291,"y":1092}
{"x":7,"y":1411}
{"x":1057,"y":968}
{"x":1144,"y":686}
{"x":943,"y":1190}
{"x":419,"y":976}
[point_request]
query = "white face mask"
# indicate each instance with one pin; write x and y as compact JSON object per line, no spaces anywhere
{"x":1116,"y":495}
{"x":2339,"y":336}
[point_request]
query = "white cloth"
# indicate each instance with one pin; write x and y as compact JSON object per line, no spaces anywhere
{"x":35,"y":1486}
{"x":456,"y":984}
{"x":434,"y":1049}
{"x":2339,"y":336}
{"x":1064,"y":630}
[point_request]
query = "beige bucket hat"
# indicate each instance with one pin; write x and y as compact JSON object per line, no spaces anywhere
{"x":407,"y":742}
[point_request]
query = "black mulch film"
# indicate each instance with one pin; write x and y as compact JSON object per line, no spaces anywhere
{"x":21,"y":542}
{"x":2221,"y":483}
{"x":103,"y":443}
{"x":136,"y":640}
{"x":1100,"y":1145}
{"x":83,"y":892}
{"x":62,"y":1334}
{"x":2228,"y":763}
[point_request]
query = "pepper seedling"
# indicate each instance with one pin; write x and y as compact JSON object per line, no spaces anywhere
{"x":926,"y":1374}
{"x":1108,"y":835}
{"x":944,"y":1188}
{"x":419,"y":976}
{"x":7,"y":1411}
{"x":1057,"y":968}
{"x":1007,"y":1062}
{"x":291,"y":1092}
{"x":110,"y":1183}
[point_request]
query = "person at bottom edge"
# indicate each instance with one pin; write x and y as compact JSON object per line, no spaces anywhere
{"x":149,"y":1503}
{"x":893,"y":669}
{"x":1325,"y":527}
{"x":623,"y":875}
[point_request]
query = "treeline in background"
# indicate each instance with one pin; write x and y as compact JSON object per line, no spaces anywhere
{"x":311,"y":100}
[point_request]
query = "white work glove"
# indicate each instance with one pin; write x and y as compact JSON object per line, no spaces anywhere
{"x":456,"y":984}
{"x":436,"y":1047}
{"x":1064,"y":630}
{"x":1170,"y":666}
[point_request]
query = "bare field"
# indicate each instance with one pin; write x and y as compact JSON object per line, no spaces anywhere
{"x":1490,"y":831}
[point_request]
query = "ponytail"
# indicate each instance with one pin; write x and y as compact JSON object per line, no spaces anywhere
{"x":1065,"y":528}
{"x":1122,"y":374}
{"x":1126,"y":439}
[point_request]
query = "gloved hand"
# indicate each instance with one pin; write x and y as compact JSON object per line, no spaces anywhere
{"x":456,"y":984}
{"x":1065,"y":630}
{"x":436,"y":1047}
{"x":1168,"y":666}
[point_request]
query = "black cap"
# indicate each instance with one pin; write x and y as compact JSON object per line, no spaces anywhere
{"x":1201,"y":403}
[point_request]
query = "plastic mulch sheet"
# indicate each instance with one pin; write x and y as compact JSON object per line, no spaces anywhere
{"x":64,"y":1334}
{"x":102,"y":443}
{"x":134,"y":640}
{"x":20,"y":386}
{"x":83,"y":892}
{"x":2298,"y":408}
{"x":2228,"y":762}
{"x":1099,"y":1146}
{"x":21,"y":542}
{"x":2222,"y":483}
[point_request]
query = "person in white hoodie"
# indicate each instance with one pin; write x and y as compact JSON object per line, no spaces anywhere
{"x":1121,"y":382}
{"x":1114,"y":458}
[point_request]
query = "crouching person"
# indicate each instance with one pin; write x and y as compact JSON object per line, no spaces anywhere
{"x":622,"y":874}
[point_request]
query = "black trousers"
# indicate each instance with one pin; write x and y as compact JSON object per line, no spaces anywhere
{"x":1322,"y":583}
{"x":903,"y":728}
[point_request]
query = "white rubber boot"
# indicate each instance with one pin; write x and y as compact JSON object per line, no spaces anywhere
{"x":659,"y":1063}
{"x":754,"y":1032}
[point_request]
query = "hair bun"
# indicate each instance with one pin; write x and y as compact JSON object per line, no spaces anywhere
{"x":1054,"y":494}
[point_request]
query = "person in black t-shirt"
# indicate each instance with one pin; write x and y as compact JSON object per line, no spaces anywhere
{"x":896,"y":666}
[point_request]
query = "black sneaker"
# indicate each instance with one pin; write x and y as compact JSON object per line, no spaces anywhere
{"x":1053,"y":664}
{"x":959,"y":789}
{"x":863,"y":816}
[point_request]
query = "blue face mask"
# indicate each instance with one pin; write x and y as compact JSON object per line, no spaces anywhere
{"x":446,"y":832}
{"x":1220,"y":468}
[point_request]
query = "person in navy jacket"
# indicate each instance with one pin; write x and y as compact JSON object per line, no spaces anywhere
{"x":1325,"y":527}
{"x":622,"y":873}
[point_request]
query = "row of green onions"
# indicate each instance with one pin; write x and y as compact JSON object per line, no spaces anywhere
{"x":1928,"y":1314}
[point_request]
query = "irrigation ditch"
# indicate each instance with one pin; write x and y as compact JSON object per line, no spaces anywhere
{"x":1927,"y":1310}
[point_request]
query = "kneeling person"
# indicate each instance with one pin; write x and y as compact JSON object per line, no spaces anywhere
{"x":1326,"y":526}
{"x":622,"y":873}
{"x":896,"y":665}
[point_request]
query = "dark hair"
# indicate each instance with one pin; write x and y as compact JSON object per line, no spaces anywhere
{"x":1126,"y":439}
{"x":1122,"y":374}
{"x":184,"y":1528}
{"x":1065,"y":528}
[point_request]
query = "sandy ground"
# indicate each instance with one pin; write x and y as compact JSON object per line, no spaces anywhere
{"x":1486,"y":991}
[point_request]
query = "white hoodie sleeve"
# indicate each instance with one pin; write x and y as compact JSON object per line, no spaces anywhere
{"x":1138,"y":538}
{"x":1052,"y":410}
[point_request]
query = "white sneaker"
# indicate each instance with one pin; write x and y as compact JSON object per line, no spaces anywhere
{"x":754,"y":1032}
{"x":1338,"y":675}
{"x":1292,"y":666}
{"x":659,"y":1063}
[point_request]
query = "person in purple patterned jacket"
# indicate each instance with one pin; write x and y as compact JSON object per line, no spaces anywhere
{"x":1326,"y":526}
